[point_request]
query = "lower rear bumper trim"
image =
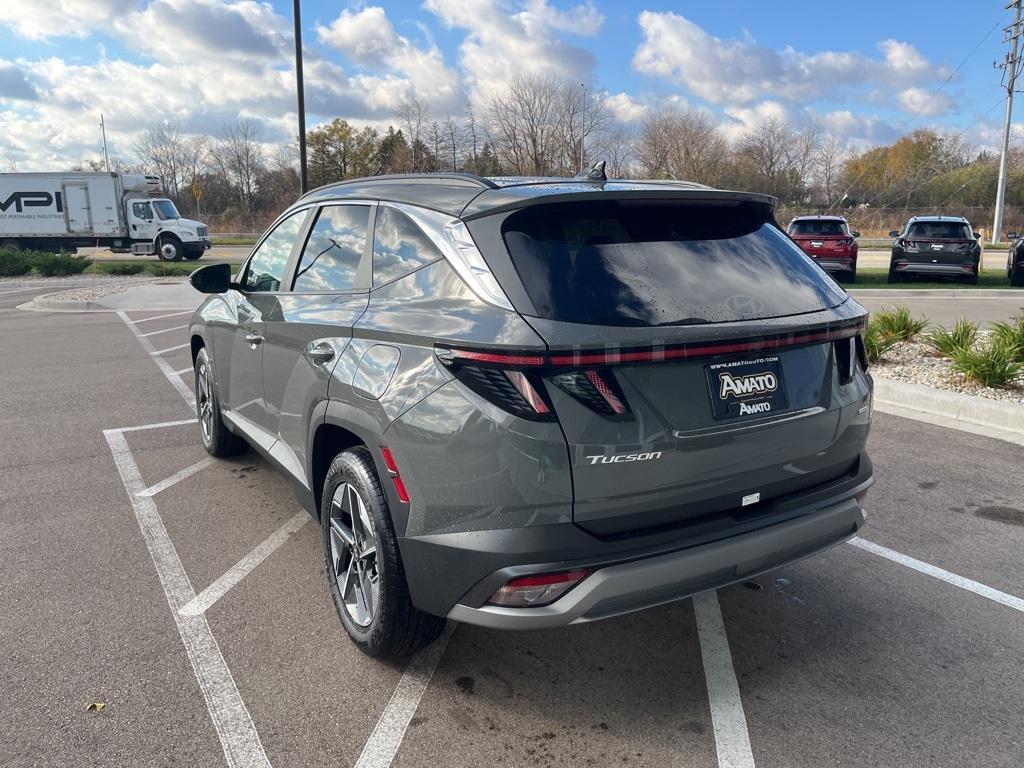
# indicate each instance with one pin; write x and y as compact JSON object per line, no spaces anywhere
{"x":639,"y":584}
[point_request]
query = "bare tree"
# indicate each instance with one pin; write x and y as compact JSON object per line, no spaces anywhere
{"x":471,"y":138}
{"x":163,"y":148}
{"x":450,"y":142}
{"x":414,"y":115}
{"x":617,"y":147}
{"x":779,"y":157}
{"x":682,"y":145}
{"x":828,"y":167}
{"x":237,"y":153}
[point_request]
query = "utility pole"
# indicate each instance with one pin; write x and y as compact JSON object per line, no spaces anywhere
{"x":106,"y":157}
{"x":303,"y":178}
{"x":1010,"y":66}
{"x":583,"y":125}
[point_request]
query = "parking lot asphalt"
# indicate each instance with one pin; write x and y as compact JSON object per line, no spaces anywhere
{"x":188,"y":597}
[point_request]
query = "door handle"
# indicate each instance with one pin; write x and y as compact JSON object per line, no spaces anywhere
{"x":320,"y":352}
{"x":254,"y":339}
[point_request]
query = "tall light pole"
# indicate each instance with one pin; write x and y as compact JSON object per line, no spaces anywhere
{"x":103,"y":131}
{"x":1010,"y":65}
{"x":303,"y":178}
{"x":583,"y":124}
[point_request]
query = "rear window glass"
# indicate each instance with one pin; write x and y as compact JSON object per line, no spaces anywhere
{"x":817,"y":227}
{"x":940,"y":230}
{"x":649,"y":263}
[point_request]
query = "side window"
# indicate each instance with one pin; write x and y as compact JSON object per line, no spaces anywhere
{"x":399,"y":246}
{"x":334,"y":249}
{"x":266,"y":267}
{"x":142,"y":210}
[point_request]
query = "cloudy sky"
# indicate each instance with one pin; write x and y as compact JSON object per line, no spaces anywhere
{"x":866,"y":72}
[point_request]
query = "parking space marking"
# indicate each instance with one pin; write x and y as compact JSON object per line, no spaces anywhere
{"x":161,"y":317}
{"x":22,"y":290}
{"x":165,"y":330}
{"x":237,"y":733}
{"x":732,"y":740}
{"x":183,"y":371}
{"x":201,"y":603}
{"x":382,"y":746}
{"x":175,"y":348}
{"x":938,"y":573}
{"x":157,"y":425}
{"x":165,"y":368}
{"x":177,"y":477}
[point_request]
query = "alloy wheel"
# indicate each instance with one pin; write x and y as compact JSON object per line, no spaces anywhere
{"x":354,"y":554}
{"x":204,"y":401}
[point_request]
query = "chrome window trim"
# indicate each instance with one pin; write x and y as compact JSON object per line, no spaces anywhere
{"x":451,"y":237}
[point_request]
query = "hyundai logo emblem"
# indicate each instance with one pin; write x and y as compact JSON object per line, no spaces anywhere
{"x":744,"y":305}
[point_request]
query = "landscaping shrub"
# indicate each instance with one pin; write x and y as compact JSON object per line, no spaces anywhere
{"x":992,"y":364}
{"x":124,"y":268}
{"x":946,"y":342}
{"x":898,"y":324}
{"x":14,"y":263}
{"x":1011,"y":336}
{"x":58,"y":264}
{"x":877,"y":341}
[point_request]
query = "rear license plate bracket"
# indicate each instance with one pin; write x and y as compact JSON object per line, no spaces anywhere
{"x":747,"y":388}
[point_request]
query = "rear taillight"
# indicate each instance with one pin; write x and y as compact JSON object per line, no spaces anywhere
{"x":518,"y":392}
{"x":862,"y":352}
{"x":846,"y":359}
{"x":538,"y":590}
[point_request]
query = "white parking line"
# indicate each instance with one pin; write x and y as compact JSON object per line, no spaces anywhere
{"x":231,"y":719}
{"x":177,"y":477}
{"x":22,"y":290}
{"x":158,"y":425}
{"x":183,"y":371}
{"x":201,"y":603}
{"x":161,"y":317}
{"x":732,"y":741}
{"x":942,"y":575}
{"x":165,"y":368}
{"x":383,"y":744}
{"x":164,"y":330}
{"x":175,"y":348}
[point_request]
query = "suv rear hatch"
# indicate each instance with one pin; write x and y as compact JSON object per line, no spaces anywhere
{"x":939,"y":242}
{"x":698,"y":361}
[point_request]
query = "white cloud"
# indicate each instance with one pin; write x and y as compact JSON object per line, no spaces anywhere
{"x":743,"y":71}
{"x":625,"y":107}
{"x":499,"y":45}
{"x":919,"y":101}
{"x":368,"y":39}
{"x":742,"y":120}
{"x":45,"y":19}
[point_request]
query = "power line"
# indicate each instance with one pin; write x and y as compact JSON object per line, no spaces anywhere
{"x":906,"y":123}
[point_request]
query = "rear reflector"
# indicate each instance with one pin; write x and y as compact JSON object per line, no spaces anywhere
{"x":392,"y":467}
{"x":538,"y":590}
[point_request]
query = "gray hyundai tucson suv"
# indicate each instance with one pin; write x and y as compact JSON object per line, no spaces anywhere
{"x":529,"y":402}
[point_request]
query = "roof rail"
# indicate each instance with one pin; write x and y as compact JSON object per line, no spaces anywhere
{"x":469,"y":178}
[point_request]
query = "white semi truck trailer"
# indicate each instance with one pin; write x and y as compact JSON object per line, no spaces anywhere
{"x":120,"y":211}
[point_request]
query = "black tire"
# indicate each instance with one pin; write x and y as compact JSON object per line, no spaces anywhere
{"x":169,"y":249}
{"x":851,"y":276}
{"x":193,"y":255}
{"x":893,"y":277}
{"x":396,"y":627}
{"x":1017,"y":275}
{"x":218,"y":440}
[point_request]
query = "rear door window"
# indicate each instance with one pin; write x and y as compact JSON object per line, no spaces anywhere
{"x":333,"y":250}
{"x":813,"y":227}
{"x":399,"y":246}
{"x":658,"y":262}
{"x":940,"y":230}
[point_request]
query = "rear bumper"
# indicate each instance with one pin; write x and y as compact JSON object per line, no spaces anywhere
{"x":957,"y":269}
{"x":640,"y":584}
{"x":454,"y":574}
{"x":836,"y":263}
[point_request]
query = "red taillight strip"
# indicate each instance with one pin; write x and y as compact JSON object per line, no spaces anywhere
{"x":605,"y":391}
{"x":527,"y":390}
{"x":618,"y":357}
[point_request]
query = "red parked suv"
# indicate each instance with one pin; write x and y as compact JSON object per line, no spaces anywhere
{"x":829,"y":241}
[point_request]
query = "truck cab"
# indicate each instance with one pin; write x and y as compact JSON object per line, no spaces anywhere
{"x":154,"y":225}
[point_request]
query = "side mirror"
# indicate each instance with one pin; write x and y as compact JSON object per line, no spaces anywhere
{"x":854,"y":233}
{"x":1012,"y":235}
{"x":977,"y":235}
{"x":894,"y":233}
{"x":213,"y":278}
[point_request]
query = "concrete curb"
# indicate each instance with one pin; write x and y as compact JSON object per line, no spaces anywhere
{"x":947,"y":293}
{"x":956,"y":406}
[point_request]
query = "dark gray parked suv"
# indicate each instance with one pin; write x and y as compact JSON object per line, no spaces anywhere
{"x":524,"y":403}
